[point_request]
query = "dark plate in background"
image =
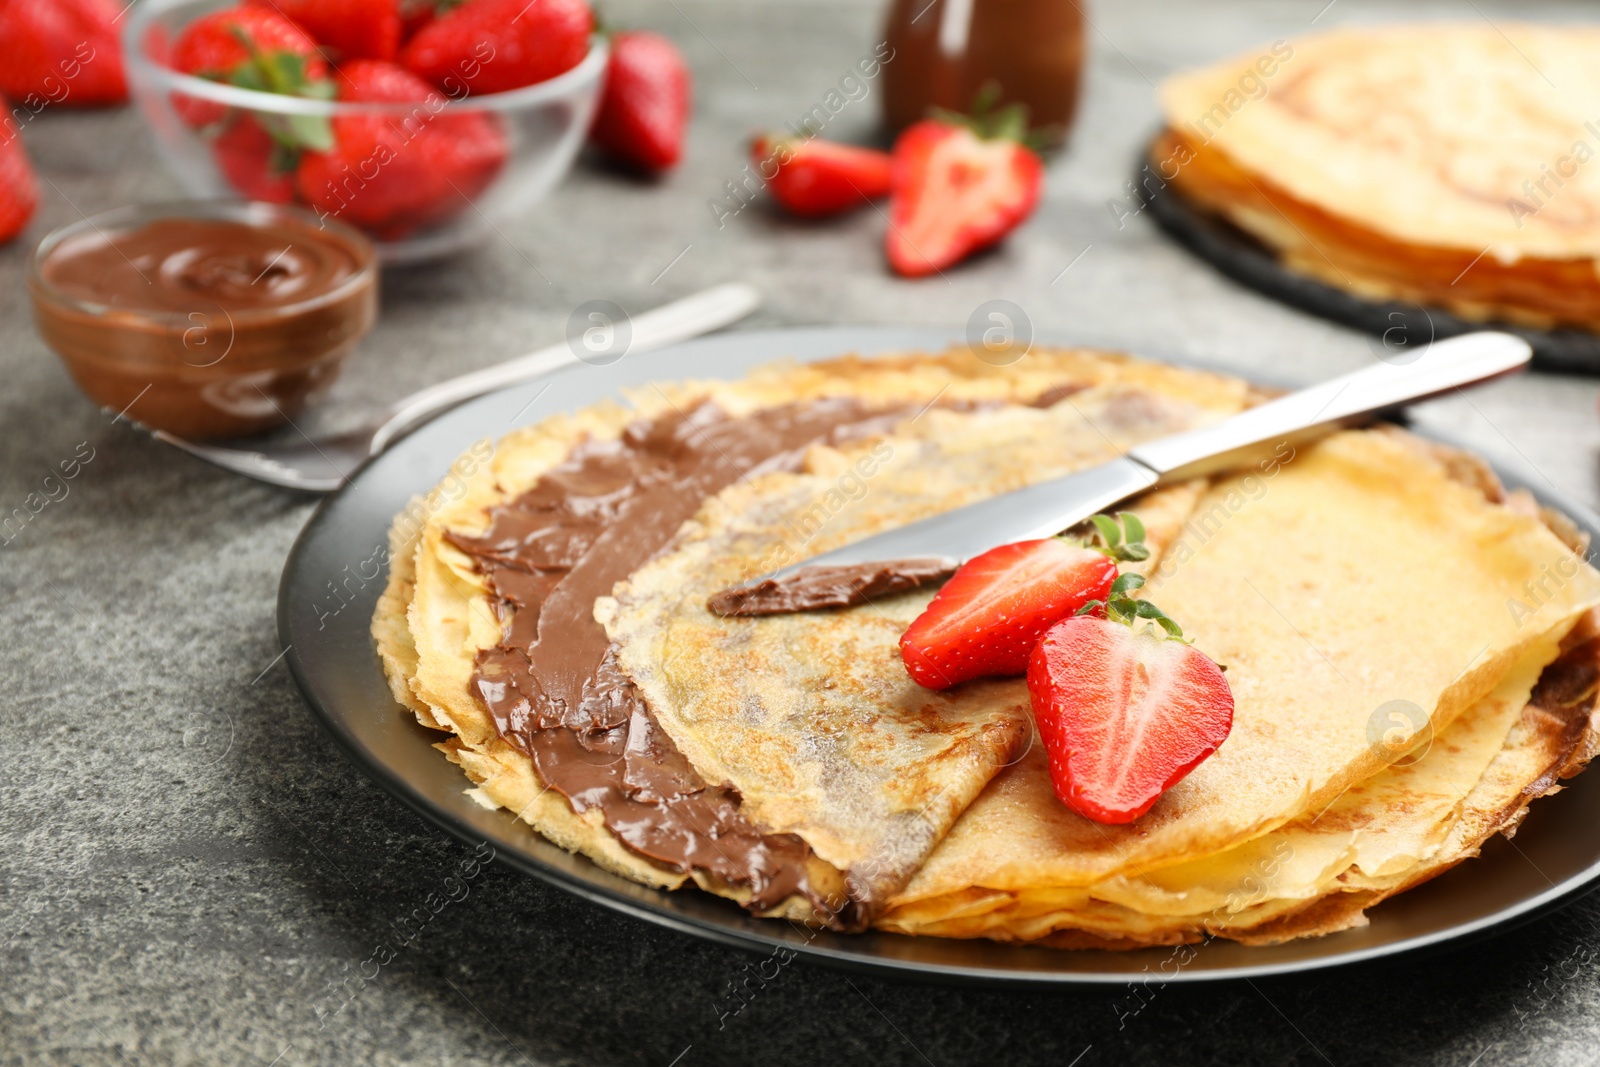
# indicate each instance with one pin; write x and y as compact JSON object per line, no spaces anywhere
{"x":1398,"y":323}
{"x":1556,"y":856}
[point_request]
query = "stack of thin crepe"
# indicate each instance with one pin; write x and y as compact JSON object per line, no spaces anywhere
{"x":1366,"y":574}
{"x":1431,"y":163}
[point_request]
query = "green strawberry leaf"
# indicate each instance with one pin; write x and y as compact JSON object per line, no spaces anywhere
{"x":1109,"y":531}
{"x":993,"y":123}
{"x":285,"y":74}
{"x":1123,"y":543}
{"x":1131,"y":523}
{"x":312,"y":131}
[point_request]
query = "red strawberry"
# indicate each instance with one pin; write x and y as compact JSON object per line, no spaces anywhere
{"x":415,"y":14}
{"x":256,"y":164}
{"x":396,"y":173}
{"x":358,"y":29}
{"x":253,"y":48}
{"x":490,"y":46}
{"x":1124,"y":713}
{"x":989,"y":615}
{"x":62,"y":51}
{"x":958,"y":188}
{"x":814,"y":178}
{"x":19,"y":193}
{"x":645,"y":107}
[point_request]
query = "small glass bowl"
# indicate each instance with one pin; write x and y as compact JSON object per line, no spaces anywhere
{"x":525,"y":140}
{"x":210,"y":370}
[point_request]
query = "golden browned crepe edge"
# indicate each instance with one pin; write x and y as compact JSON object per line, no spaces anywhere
{"x":1342,"y":252}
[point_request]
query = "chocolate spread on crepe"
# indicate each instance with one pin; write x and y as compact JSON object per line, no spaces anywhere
{"x":829,"y":587}
{"x":552,"y":684}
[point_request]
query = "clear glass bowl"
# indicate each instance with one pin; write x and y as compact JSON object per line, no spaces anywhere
{"x":213,"y":139}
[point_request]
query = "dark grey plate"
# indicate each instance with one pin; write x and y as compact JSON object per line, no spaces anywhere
{"x":1555,"y":857}
{"x":1394,"y":322}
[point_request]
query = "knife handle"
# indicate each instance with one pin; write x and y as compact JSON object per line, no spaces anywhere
{"x":1340,"y":402}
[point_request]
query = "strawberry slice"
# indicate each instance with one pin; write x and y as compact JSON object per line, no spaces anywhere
{"x":989,"y":615}
{"x":959,"y":185}
{"x":1125,"y":707}
{"x":814,"y":178}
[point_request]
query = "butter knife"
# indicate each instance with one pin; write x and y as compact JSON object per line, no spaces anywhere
{"x":939,"y":544}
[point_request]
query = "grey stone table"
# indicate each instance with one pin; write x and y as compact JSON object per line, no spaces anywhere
{"x":190,"y":867}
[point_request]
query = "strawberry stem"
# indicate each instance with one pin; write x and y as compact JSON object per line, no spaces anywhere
{"x":1121,"y":607}
{"x":992,"y":123}
{"x":287,"y":74}
{"x":1121,"y":538}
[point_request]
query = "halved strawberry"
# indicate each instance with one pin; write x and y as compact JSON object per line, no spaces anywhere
{"x":1125,"y":707}
{"x":989,"y":615}
{"x":959,"y":186}
{"x":814,"y":178}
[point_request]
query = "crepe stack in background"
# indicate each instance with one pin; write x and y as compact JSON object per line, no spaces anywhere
{"x":1367,"y":573}
{"x":1453,"y":166}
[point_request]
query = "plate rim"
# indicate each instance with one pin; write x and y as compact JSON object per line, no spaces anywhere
{"x":782,"y":937}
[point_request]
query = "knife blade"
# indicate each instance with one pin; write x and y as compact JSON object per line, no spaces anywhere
{"x":1049,"y":507}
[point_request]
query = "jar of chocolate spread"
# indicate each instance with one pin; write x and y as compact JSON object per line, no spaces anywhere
{"x":946,"y":51}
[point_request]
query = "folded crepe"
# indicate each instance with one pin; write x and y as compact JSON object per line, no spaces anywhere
{"x":839,"y":764}
{"x":1367,"y":573}
{"x":1018,"y":865}
{"x":1426,"y":163}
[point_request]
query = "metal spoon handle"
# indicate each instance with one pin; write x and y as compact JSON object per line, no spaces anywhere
{"x":705,"y":311}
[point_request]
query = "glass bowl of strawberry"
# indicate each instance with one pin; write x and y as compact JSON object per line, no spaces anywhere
{"x":424,"y":129}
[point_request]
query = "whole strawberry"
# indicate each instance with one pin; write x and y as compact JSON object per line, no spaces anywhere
{"x":257,"y":165}
{"x":1124,"y":706}
{"x":814,"y":178}
{"x":986,"y":619}
{"x":491,"y":46}
{"x":644,"y":109}
{"x":415,"y":14}
{"x":960,"y":185}
{"x":19,"y":193}
{"x":250,"y":47}
{"x":62,"y":51}
{"x":393,"y":174}
{"x":355,"y":29}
